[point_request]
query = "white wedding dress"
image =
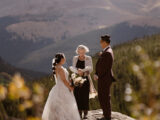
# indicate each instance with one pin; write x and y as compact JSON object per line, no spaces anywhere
{"x":61,"y":103}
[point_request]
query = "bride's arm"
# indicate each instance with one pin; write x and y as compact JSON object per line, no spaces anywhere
{"x":63,"y":78}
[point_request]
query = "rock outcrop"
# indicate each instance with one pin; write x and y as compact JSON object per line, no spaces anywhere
{"x":94,"y":114}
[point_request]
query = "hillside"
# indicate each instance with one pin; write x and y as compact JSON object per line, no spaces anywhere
{"x":6,"y":68}
{"x":84,"y":15}
{"x":60,"y":19}
{"x":120,"y":33}
{"x":13,"y":47}
{"x":57,"y":20}
{"x":30,"y":34}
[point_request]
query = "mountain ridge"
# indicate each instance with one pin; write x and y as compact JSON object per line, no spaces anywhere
{"x":6,"y":68}
{"x":120,"y":33}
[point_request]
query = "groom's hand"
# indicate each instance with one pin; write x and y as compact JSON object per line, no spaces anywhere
{"x":95,"y":77}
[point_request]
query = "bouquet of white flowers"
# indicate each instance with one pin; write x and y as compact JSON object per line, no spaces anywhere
{"x":77,"y":80}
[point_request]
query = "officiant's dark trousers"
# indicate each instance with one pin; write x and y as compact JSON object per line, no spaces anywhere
{"x":104,"y":98}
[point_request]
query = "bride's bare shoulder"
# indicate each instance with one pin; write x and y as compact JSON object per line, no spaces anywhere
{"x":59,"y":69}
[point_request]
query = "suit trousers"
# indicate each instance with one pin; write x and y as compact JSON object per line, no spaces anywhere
{"x":104,"y":98}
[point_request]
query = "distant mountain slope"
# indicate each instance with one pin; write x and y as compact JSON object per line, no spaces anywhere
{"x":27,"y":74}
{"x":120,"y":33}
{"x":38,"y":52}
{"x":59,"y":19}
{"x":30,"y":27}
{"x":13,"y":47}
{"x":74,"y":16}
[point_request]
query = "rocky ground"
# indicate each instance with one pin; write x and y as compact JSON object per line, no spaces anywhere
{"x":93,"y":115}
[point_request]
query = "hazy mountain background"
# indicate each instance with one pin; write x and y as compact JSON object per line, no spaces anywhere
{"x":6,"y":69}
{"x":31,"y":32}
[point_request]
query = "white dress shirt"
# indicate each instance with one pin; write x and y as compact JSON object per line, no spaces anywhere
{"x":106,"y":48}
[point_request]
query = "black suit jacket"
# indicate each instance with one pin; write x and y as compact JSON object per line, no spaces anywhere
{"x":104,"y":68}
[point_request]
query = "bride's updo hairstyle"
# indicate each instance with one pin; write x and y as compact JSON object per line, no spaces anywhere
{"x":57,"y":59}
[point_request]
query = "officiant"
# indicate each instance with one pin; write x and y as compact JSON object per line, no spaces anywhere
{"x":83,"y":66}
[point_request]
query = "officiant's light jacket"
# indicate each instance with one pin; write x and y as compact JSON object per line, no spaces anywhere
{"x":88,"y":67}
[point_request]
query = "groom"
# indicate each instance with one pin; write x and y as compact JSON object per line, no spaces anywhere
{"x":104,"y":76}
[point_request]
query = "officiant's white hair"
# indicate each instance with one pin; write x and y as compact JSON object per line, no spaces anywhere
{"x":83,"y":47}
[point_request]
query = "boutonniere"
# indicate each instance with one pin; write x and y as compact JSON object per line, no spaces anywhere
{"x":100,"y":53}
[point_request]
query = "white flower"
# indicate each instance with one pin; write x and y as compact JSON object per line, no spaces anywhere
{"x":73,"y":76}
{"x":78,"y":79}
{"x":82,"y":81}
{"x":92,"y":95}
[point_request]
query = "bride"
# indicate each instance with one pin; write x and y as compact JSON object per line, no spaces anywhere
{"x":61,"y":104}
